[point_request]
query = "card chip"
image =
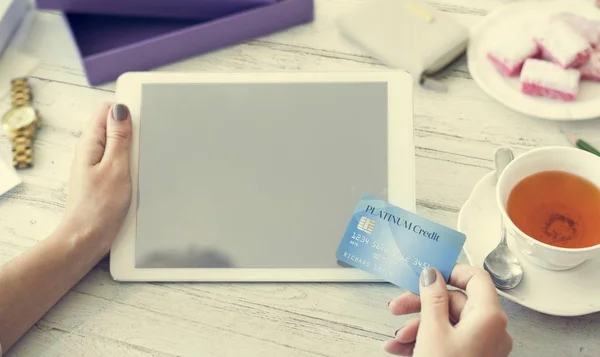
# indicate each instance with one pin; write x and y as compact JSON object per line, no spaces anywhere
{"x":366,"y":225}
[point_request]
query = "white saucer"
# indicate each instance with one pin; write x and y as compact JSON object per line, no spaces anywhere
{"x":562,"y":293}
{"x":506,"y":20}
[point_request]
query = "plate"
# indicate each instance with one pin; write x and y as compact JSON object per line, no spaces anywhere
{"x":516,"y":17}
{"x":562,"y":293}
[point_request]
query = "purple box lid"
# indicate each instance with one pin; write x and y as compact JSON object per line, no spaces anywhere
{"x":182,"y":9}
{"x":112,"y":45}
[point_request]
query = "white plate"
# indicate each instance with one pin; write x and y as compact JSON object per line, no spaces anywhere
{"x":562,"y":293}
{"x":514,"y":17}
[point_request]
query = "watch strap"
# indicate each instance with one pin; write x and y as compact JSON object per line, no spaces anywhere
{"x":22,"y":139}
{"x":20,"y":92}
{"x":22,"y":147}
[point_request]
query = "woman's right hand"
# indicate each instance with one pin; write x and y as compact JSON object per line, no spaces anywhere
{"x":468,"y":323}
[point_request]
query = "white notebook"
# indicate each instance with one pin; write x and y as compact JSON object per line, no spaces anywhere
{"x":8,"y":178}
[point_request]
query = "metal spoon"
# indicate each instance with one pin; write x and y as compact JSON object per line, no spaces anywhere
{"x":502,"y":265}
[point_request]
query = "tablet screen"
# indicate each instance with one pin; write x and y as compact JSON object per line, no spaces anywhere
{"x":255,"y":175}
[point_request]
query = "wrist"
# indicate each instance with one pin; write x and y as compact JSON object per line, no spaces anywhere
{"x":82,"y":238}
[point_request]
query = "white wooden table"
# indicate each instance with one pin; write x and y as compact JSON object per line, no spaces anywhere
{"x":456,"y":134}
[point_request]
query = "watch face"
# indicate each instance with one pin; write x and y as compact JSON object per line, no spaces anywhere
{"x":18,"y":118}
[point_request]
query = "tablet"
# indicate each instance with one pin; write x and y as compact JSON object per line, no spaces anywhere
{"x":255,"y":176}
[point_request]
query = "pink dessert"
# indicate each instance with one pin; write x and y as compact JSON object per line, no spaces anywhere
{"x":590,"y":30}
{"x":563,"y":45}
{"x":545,"y":79}
{"x":591,"y":70}
{"x":509,"y":55}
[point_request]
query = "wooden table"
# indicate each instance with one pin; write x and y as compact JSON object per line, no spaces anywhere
{"x":456,"y":134}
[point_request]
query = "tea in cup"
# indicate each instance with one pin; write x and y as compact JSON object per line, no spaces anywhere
{"x":550,"y":202}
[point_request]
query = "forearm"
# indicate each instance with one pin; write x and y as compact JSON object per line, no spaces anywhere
{"x":33,"y":282}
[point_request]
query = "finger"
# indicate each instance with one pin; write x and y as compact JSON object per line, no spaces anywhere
{"x":396,"y":348}
{"x":458,"y":300}
{"x":409,"y":303}
{"x":505,"y":345}
{"x":435,"y":313}
{"x":118,"y":134}
{"x":90,"y":147}
{"x":476,"y":282}
{"x":408,"y":332}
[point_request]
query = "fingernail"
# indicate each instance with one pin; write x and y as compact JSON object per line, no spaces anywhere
{"x":120,"y":112}
{"x":398,"y":330}
{"x":428,"y":276}
{"x":389,"y":302}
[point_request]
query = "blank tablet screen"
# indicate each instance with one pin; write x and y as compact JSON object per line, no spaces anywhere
{"x":255,"y":175}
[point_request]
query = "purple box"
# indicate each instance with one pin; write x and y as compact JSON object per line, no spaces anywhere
{"x":112,"y":45}
{"x":182,"y":9}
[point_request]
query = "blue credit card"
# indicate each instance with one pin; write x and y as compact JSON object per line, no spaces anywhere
{"x":396,"y":245}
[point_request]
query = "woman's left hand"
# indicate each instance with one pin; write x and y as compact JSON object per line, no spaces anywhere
{"x":100,"y":184}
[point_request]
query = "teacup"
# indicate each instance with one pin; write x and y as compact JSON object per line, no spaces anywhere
{"x":567,"y":159}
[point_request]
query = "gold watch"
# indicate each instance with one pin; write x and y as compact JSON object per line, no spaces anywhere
{"x":21,"y":123}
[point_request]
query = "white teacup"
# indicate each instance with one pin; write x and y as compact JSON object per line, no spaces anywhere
{"x":554,"y":158}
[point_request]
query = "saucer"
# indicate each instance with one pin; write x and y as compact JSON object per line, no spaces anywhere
{"x":571,"y":292}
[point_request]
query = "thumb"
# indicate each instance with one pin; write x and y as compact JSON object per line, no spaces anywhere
{"x":118,"y":134}
{"x":434,"y":300}
{"x":91,"y":145}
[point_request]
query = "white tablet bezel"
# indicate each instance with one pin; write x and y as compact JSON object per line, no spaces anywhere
{"x":401,"y":172}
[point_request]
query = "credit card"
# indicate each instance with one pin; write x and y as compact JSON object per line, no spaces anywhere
{"x":396,"y":245}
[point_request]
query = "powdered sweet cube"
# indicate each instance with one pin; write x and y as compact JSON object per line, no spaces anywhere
{"x":546,"y":79}
{"x":590,"y":30}
{"x":563,"y":45}
{"x":591,"y":70}
{"x":509,"y":55}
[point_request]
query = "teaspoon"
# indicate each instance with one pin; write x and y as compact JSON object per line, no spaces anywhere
{"x":502,"y":265}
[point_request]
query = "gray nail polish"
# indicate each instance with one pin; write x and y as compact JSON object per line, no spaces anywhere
{"x":428,"y":276}
{"x":120,"y":112}
{"x":396,"y":332}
